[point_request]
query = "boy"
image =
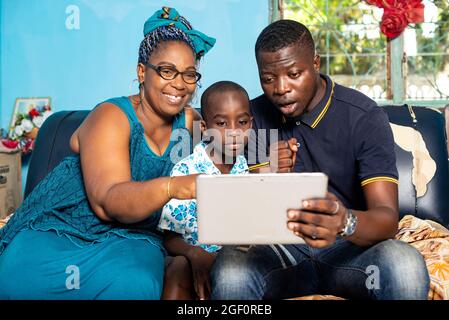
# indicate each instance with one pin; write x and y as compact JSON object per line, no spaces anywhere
{"x":226,"y":119}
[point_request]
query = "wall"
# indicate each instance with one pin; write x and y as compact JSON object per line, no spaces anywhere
{"x":78,"y":68}
{"x":40,"y":55}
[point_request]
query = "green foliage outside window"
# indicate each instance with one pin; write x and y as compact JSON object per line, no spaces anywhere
{"x":353,"y":50}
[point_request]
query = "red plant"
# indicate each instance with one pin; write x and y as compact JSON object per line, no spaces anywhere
{"x":29,"y":145}
{"x":398,"y":14}
{"x":33,"y":113}
{"x":393,"y":23}
{"x":10,"y":144}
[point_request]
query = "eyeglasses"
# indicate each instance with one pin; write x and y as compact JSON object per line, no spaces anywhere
{"x":170,"y":73}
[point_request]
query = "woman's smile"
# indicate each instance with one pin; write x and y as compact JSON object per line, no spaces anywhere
{"x":173,"y":99}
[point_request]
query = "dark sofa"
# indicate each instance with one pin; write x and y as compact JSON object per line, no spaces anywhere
{"x":422,"y":161}
{"x":417,"y":125}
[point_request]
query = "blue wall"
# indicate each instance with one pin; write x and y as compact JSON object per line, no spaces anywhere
{"x":79,"y":68}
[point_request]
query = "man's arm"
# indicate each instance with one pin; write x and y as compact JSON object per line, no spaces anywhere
{"x":380,"y":221}
{"x":319,"y":224}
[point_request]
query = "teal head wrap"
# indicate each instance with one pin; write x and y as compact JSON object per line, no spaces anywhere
{"x":170,"y":18}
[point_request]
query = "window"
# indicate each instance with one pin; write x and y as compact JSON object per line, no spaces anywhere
{"x":356,"y":54}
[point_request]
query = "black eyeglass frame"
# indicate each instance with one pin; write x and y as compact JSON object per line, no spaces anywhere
{"x":177,"y":72}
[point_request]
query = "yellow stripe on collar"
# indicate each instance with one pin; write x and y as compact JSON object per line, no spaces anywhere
{"x":323,"y":112}
{"x":257,"y":166}
{"x":375,"y":179}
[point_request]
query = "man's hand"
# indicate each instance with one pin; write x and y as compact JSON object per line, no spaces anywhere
{"x":318,"y":221}
{"x":283,"y":155}
{"x":201,"y":262}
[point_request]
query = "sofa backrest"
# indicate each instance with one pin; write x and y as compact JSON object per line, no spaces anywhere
{"x":52,"y":145}
{"x":422,"y":157}
{"x":422,"y":161}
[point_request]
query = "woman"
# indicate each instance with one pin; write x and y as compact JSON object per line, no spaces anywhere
{"x":88,"y":230}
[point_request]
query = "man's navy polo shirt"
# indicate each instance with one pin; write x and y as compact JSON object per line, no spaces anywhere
{"x":347,"y":136}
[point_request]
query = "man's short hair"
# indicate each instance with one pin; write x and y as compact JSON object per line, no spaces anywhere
{"x":284,"y":33}
{"x":219,"y":87}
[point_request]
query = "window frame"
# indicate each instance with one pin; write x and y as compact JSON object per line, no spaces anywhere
{"x":396,"y":64}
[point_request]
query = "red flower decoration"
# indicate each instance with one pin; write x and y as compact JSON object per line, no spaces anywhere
{"x":398,"y":14}
{"x":377,"y":3}
{"x":393,"y":23}
{"x":10,"y":144}
{"x":33,"y":113}
{"x":29,"y":145}
{"x":414,"y":11}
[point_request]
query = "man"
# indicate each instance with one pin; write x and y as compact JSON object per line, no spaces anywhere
{"x":325,"y":127}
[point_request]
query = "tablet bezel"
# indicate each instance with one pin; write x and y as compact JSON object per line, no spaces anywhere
{"x":259,"y":196}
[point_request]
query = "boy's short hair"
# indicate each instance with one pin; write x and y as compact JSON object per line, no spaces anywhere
{"x":219,"y":87}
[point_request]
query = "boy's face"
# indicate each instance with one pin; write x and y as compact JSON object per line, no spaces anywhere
{"x":227,"y":120}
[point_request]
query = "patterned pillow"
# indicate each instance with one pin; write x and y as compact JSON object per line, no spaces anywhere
{"x":432,"y":241}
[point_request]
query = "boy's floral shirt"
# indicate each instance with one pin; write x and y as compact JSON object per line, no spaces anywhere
{"x":180,"y":215}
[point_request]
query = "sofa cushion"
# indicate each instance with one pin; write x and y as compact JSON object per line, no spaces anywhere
{"x":422,"y":162}
{"x":432,"y":241}
{"x":52,"y":145}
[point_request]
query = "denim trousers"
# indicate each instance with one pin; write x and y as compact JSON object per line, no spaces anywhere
{"x":389,"y":270}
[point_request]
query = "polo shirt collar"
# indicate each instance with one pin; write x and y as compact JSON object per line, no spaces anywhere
{"x":312,"y":118}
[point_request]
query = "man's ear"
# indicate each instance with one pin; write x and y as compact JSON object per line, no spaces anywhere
{"x":251,"y":122}
{"x":317,"y":62}
{"x":140,"y":72}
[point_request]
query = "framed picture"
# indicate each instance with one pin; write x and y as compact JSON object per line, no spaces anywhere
{"x":23,"y":106}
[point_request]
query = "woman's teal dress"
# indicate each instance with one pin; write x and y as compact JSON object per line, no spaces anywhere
{"x":55,"y":247}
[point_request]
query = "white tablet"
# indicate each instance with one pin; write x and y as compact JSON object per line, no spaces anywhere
{"x":252,"y":209}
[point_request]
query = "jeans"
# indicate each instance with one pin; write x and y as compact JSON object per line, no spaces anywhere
{"x":389,"y":270}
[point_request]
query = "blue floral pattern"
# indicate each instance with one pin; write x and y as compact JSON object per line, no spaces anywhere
{"x":180,"y":215}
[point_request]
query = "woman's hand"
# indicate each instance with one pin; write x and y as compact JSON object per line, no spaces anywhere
{"x":183,"y":187}
{"x":201,"y":262}
{"x":318,"y":221}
